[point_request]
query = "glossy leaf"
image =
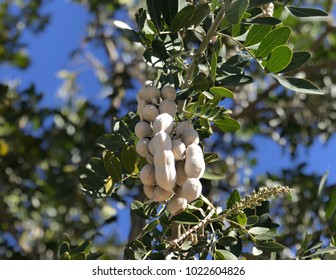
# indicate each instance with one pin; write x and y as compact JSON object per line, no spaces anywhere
{"x":200,"y":13}
{"x":151,"y":226}
{"x":129,"y":159}
{"x":241,"y":219}
{"x":265,"y":21}
{"x":331,"y":206}
{"x":236,"y":11}
{"x":275,"y":38}
{"x":222,"y":92}
{"x":186,"y":218}
{"x":208,"y":175}
{"x":252,"y":220}
{"x":322,"y":183}
{"x":298,"y":85}
{"x":169,"y":10}
{"x":224,"y":255}
{"x":298,"y":59}
{"x":306,"y":12}
{"x":234,"y":197}
{"x":214,"y":4}
{"x":113,"y":166}
{"x":279,"y":58}
{"x":97,"y":165}
{"x":270,"y":246}
{"x":182,"y":18}
{"x":227,"y":241}
{"x":111,"y":142}
{"x":258,"y":230}
{"x":154,"y":10}
{"x":259,"y":2}
{"x":256,"y":34}
{"x":236,"y":80}
{"x":227,"y":124}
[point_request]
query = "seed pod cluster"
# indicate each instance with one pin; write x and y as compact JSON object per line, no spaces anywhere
{"x":175,"y":160}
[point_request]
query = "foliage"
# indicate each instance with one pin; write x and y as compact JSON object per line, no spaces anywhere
{"x":236,"y":73}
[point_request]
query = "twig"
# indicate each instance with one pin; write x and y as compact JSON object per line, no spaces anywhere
{"x":175,"y":243}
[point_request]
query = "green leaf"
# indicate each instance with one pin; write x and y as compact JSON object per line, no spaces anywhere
{"x":298,"y":59}
{"x":258,"y":230}
{"x":241,"y":219}
{"x":270,"y":246}
{"x":199,"y":15}
{"x":90,"y":180}
{"x":84,"y":248}
{"x":227,"y":124}
{"x":210,"y":157}
{"x":236,"y":11}
{"x":112,"y":142}
{"x":151,"y":226}
{"x":322,"y":183}
{"x":224,"y":255}
{"x":227,"y":241}
{"x":214,"y":4}
{"x":298,"y":85}
{"x":222,"y":92}
{"x":112,"y":166}
{"x":169,"y":10}
{"x":259,"y":2}
{"x":236,"y":80}
{"x":208,"y":175}
{"x":280,"y":57}
{"x":252,"y":220}
{"x":234,"y":197}
{"x":129,"y":159}
{"x":154,"y":10}
{"x":186,"y":218}
{"x":97,"y":165}
{"x":321,"y":252}
{"x":331,"y":206}
{"x":182,"y":18}
{"x":256,"y":34}
{"x":214,"y":59}
{"x":265,"y":21}
{"x":306,"y":12}
{"x":137,"y":208}
{"x":275,"y":38}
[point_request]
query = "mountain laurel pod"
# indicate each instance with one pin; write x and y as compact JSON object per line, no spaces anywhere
{"x":165,"y":172}
{"x":141,"y":104}
{"x":163,"y":122}
{"x":150,"y":158}
{"x":160,"y":141}
{"x":191,"y":189}
{"x":161,"y":195}
{"x":182,"y":126}
{"x":181,"y":176}
{"x":149,"y":190}
{"x":143,"y":129}
{"x":147,"y":175}
{"x":176,"y":205}
{"x":168,"y":106}
{"x":168,"y":93}
{"x":190,"y":136}
{"x":150,"y":112}
{"x":194,"y":162}
{"x":142,"y":147}
{"x":178,"y":149}
{"x":151,"y":94}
